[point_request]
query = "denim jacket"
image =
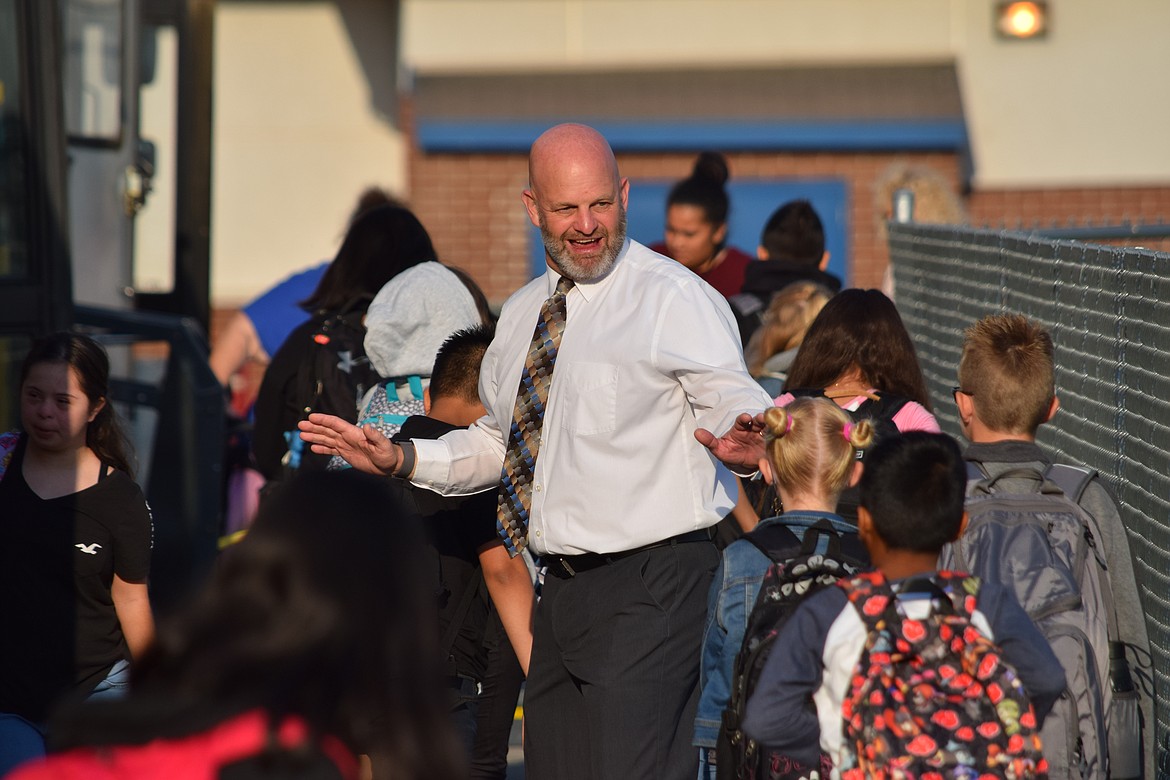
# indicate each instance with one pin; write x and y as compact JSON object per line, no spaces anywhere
{"x":729,"y":602}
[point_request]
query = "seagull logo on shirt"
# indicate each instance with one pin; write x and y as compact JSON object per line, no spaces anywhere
{"x":89,"y":549}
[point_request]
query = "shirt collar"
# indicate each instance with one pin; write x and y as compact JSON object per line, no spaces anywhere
{"x":1007,"y":451}
{"x":591,"y":289}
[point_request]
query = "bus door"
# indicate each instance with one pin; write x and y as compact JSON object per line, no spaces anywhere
{"x":109,"y":169}
{"x":34,"y":248}
{"x":124,"y":109}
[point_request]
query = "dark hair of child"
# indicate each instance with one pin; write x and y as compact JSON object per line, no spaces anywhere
{"x":794,"y":234}
{"x":457,"y":363}
{"x":860,"y":329}
{"x":913,"y":486}
{"x":379,"y":245}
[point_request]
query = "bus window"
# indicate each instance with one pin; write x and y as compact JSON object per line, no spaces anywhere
{"x":93,"y":68}
{"x":13,"y":150}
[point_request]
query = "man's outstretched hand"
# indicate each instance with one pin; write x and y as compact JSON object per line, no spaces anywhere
{"x":742,"y":447}
{"x":366,"y":449}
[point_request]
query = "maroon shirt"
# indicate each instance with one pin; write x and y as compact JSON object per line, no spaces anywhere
{"x":727,"y":277}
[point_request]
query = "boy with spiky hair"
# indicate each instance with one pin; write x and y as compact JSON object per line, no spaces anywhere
{"x":1006,"y":392}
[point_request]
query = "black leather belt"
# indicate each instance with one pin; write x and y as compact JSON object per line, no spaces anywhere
{"x":565,"y":566}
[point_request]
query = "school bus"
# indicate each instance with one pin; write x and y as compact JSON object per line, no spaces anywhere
{"x":105,"y":151}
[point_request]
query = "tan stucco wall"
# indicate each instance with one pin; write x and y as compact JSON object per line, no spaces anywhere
{"x":302,"y":125}
{"x":1080,"y":107}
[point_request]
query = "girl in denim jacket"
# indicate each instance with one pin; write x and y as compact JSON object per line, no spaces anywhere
{"x":812,"y":447}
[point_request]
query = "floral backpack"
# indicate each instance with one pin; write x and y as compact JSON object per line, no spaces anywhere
{"x":933,"y":698}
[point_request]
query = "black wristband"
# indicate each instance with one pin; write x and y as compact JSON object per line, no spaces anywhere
{"x":409,"y":458}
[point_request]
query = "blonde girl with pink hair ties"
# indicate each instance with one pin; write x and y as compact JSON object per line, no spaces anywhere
{"x":811,"y":446}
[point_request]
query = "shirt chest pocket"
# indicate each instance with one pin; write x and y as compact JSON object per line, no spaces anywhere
{"x":588,"y":397}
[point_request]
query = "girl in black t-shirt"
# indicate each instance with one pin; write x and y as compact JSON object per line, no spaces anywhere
{"x":75,"y":538}
{"x":313,"y":640}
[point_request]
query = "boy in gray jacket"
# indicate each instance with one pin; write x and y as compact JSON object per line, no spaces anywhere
{"x":1006,"y":392}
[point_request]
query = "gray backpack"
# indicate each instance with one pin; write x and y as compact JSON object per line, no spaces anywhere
{"x":1124,"y":721}
{"x":1041,"y":544}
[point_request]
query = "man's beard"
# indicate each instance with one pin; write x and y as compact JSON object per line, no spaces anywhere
{"x":584,"y":269}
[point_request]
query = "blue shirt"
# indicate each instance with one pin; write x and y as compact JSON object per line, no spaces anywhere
{"x":276,"y":312}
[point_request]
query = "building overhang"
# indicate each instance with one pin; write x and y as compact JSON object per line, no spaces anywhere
{"x":848,"y":109}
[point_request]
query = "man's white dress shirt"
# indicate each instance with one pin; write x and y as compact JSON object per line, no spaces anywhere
{"x":649,"y":353}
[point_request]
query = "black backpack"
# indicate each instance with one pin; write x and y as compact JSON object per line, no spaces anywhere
{"x":798,"y":569}
{"x":331,"y":378}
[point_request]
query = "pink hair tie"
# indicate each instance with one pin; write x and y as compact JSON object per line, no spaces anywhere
{"x":848,"y":432}
{"x":788,"y":425}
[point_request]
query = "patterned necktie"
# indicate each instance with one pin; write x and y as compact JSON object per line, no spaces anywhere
{"x":524,"y":437}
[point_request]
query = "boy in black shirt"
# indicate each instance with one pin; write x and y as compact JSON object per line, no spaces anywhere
{"x":463,"y":532}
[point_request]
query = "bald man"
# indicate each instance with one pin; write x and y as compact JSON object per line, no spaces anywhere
{"x":623,"y":497}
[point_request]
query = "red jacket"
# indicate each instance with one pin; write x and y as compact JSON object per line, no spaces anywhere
{"x":195,"y":757}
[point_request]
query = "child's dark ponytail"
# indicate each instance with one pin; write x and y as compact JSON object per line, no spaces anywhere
{"x":105,"y":437}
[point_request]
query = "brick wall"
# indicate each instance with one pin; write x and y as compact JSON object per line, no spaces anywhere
{"x":471,"y":204}
{"x":1075,"y":207}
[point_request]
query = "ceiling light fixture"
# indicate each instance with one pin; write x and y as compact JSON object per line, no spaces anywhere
{"x":1021,"y":20}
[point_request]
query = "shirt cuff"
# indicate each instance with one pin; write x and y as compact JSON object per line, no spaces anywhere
{"x":432,"y":467}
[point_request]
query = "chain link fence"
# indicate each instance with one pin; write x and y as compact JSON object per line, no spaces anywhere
{"x":1108,"y":309}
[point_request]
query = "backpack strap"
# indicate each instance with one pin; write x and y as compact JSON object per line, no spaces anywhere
{"x":8,"y":442}
{"x":1043,"y":484}
{"x":775,"y":540}
{"x":1073,"y":480}
{"x":885,"y":406}
{"x":296,"y":447}
{"x":864,"y":591}
{"x":414,"y":381}
{"x":747,"y":305}
{"x":358,"y":304}
{"x":821,"y":539}
{"x":948,"y":588}
{"x":384,"y":418}
{"x":779,"y":542}
{"x":942,"y":599}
